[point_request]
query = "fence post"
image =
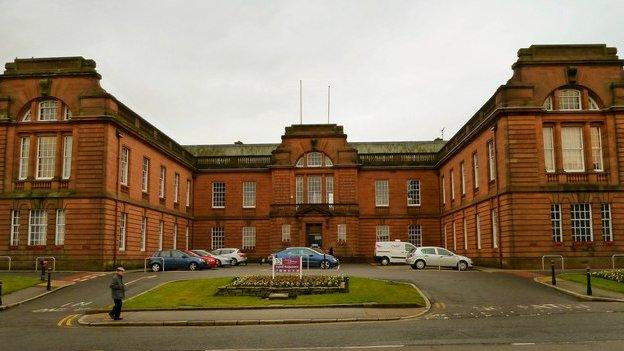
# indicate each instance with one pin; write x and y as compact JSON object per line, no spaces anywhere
{"x":589,"y":288}
{"x":552,"y":272}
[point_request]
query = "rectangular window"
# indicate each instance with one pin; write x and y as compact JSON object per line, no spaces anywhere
{"x":249,"y":238}
{"x":342,"y":232}
{"x":475,"y":170}
{"x":414,"y":235}
{"x":47,"y":110}
{"x":596,"y":145}
{"x":572,"y":149}
{"x":38,"y":228}
{"x":249,"y":194}
{"x":569,"y":99}
{"x":462,"y":171}
{"x":161,"y":233}
{"x":555,"y":222}
{"x":143,"y":233}
{"x":315,"y":159}
{"x":161,"y":182}
{"x":454,"y":237}
{"x":329,"y":189}
{"x":445,"y":241}
{"x":452,"y":176}
{"x":413,"y":193}
{"x":46,"y":157}
{"x":218,"y":234}
{"x":24,"y":154}
{"x":443,"y":190}
{"x":465,"y":235}
{"x":188,"y":193}
{"x":494,"y":215}
{"x":175,"y":236}
{"x":123,"y":217}
{"x":145,"y":175}
{"x":491,"y":160}
{"x":15,"y":225}
{"x":478,"y":230}
{"x":285,"y":232}
{"x":581,"y":222}
{"x":605,"y":215}
{"x":549,"y":149}
{"x":299,"y":189}
{"x":186,"y":238}
{"x":382,"y":233}
{"x":176,"y":188}
{"x":123,"y":167}
{"x":381,"y":193}
{"x":315,"y":194}
{"x":59,"y":237}
{"x":67,"y":156}
{"x":218,"y":195}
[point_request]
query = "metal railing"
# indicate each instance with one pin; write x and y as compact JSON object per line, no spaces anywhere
{"x":45,"y":257}
{"x":613,"y":259}
{"x":554,"y":256}
{"x":155,"y":258}
{"x":8,"y":258}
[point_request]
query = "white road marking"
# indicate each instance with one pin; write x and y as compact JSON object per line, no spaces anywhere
{"x":317,"y":348}
{"x":136,"y":280}
{"x":522,"y":343}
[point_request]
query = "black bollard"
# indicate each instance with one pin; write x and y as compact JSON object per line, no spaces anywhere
{"x":589,"y":289}
{"x":552,"y":272}
{"x":43,"y":264}
{"x":49,"y":287}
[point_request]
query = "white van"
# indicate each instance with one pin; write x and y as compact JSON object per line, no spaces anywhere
{"x":397,"y":251}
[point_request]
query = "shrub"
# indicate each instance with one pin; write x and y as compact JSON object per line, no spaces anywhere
{"x":288,"y":281}
{"x":615,"y":275}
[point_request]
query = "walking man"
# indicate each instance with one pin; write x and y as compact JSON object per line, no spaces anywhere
{"x":118,"y":291}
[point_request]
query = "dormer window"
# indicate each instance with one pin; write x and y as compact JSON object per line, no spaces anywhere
{"x":314,"y":159}
{"x":569,"y":100}
{"x":47,"y":110}
{"x":592,"y":104}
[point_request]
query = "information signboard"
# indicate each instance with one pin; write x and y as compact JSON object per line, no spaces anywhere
{"x":287,"y":265}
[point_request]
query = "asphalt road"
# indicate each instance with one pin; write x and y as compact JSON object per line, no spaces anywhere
{"x":474,"y":310}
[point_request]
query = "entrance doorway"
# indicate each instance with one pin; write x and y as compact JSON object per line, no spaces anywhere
{"x":314,"y":233}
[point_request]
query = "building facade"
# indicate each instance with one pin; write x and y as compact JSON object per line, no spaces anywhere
{"x":534,"y":172}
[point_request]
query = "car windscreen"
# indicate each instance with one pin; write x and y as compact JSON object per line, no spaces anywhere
{"x":201,"y":252}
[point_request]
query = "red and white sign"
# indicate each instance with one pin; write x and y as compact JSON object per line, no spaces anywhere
{"x":287,"y":265}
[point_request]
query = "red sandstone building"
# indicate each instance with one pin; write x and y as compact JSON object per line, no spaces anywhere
{"x":536,"y":171}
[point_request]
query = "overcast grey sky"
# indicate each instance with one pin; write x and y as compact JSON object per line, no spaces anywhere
{"x":209,"y":72}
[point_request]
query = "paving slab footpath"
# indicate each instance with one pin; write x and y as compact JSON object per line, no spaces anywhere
{"x":24,"y":295}
{"x":580,"y":290}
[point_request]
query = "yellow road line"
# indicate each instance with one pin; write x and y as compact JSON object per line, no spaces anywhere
{"x":70,"y":320}
{"x":62,"y":321}
{"x":67,"y":320}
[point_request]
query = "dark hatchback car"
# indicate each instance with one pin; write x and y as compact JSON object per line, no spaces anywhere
{"x":175,"y":259}
{"x":309,"y":256}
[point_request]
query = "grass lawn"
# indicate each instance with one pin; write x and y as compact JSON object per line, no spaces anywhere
{"x":596,"y":282}
{"x":200,"y":293}
{"x":11,"y":283}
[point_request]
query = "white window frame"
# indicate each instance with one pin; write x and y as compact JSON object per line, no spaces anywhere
{"x":443,"y":190}
{"x":123,"y":222}
{"x":382,"y":233}
{"x":581,"y":222}
{"x":143,"y":233}
{"x":217,"y":236}
{"x":413,"y":192}
{"x":46,"y":157}
{"x":445,"y":240}
{"x":494,"y":217}
{"x":549,"y":149}
{"x":218,"y":194}
{"x":314,"y":159}
{"x":342,"y":232}
{"x":161,"y":234}
{"x":606,"y":221}
{"x":249,"y":194}
{"x":15,"y":227}
{"x":68,"y":142}
{"x":175,"y":236}
{"x":176,"y":188}
{"x":186,"y":238}
{"x":145,"y":175}
{"x":329,"y":189}
{"x":478,"y":230}
{"x":491,"y":160}
{"x":596,"y":148}
{"x":572,"y":149}
{"x":454,"y":236}
{"x":414,"y":234}
{"x":556,"y":223}
{"x":162,"y":179}
{"x":462,"y":170}
{"x":24,"y":158}
{"x":315,"y":191}
{"x":285,"y":232}
{"x":124,"y":161}
{"x":249,"y":238}
{"x":27,"y":116}
{"x":569,"y":100}
{"x":382,"y":188}
{"x":452,"y":176}
{"x":47,"y":110}
{"x":37,"y":227}
{"x":188,"y":193}
{"x":593,"y":105}
{"x":475,"y":170}
{"x":67,"y":114}
{"x":59,"y":235}
{"x":548,"y":104}
{"x":299,"y":190}
{"x":465,"y":234}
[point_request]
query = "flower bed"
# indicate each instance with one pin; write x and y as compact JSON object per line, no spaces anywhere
{"x":263,"y":286}
{"x":615,"y":275}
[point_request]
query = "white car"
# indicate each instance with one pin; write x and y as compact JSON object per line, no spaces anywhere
{"x":437,"y":257}
{"x":235,"y":255}
{"x":397,"y":251}
{"x":223,"y":261}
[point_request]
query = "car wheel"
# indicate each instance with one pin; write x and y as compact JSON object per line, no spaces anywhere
{"x":234,"y":262}
{"x":155,"y":267}
{"x":420,"y":264}
{"x":325,"y":264}
{"x":385,"y":261}
{"x":192,"y":266}
{"x":219,"y":263}
{"x":462,"y":265}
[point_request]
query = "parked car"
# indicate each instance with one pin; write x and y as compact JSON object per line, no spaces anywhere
{"x":210,"y":261}
{"x":387,"y":252}
{"x":175,"y":259}
{"x":311,"y":257}
{"x":235,"y":256}
{"x":221,"y":260}
{"x":437,"y":257}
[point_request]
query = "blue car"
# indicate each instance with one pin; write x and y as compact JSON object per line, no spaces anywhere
{"x":175,"y":259}
{"x":310,"y":257}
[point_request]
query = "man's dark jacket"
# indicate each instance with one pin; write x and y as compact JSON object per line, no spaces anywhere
{"x":118,"y":289}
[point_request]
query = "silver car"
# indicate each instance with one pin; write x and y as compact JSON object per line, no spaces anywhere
{"x":235,"y":256}
{"x":437,"y":257}
{"x":223,"y":261}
